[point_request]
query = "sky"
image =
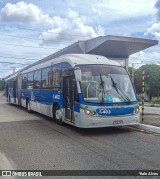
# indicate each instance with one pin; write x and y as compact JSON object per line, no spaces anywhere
{"x":32,"y":29}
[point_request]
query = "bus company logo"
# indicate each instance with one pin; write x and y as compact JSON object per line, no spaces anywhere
{"x":103,"y":111}
{"x":56,"y":96}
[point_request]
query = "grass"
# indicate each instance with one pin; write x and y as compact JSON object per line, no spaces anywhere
{"x":155,"y":101}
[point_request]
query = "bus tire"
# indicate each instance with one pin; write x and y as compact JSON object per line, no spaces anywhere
{"x":58,"y":115}
{"x":28,"y":106}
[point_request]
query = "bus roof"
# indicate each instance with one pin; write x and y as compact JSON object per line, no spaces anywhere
{"x":11,"y":76}
{"x":79,"y":59}
{"x":73,"y":60}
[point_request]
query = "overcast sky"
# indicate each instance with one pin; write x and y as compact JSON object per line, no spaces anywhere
{"x":53,"y":25}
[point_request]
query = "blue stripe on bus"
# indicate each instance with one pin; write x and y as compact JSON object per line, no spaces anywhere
{"x":76,"y":108}
{"x":43,"y":97}
{"x":110,"y":111}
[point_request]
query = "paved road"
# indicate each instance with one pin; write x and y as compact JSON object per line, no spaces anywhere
{"x":33,"y":141}
{"x":151,"y":110}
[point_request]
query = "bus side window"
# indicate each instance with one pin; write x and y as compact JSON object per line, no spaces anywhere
{"x":30,"y":81}
{"x":57,"y":77}
{"x":24,"y":81}
{"x":37,"y":79}
{"x":46,"y":78}
{"x":65,"y":66}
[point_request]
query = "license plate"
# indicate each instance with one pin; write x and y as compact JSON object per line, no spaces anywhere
{"x":118,"y":122}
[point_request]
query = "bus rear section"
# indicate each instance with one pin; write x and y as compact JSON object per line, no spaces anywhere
{"x":11,"y":90}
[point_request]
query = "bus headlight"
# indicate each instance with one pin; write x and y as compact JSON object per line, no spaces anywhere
{"x":88,"y":112}
{"x":136,"y":109}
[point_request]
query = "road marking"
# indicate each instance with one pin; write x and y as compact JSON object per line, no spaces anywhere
{"x":5,"y":163}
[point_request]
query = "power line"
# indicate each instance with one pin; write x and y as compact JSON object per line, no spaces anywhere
{"x":15,"y":63}
{"x":27,"y":46}
{"x":5,"y":69}
{"x":48,"y":32}
{"x":18,"y":57}
{"x":23,"y":37}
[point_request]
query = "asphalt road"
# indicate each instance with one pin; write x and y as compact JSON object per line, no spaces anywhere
{"x":33,"y":141}
{"x":151,"y":110}
{"x":152,"y":115}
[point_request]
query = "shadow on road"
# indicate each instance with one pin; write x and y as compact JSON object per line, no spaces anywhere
{"x":79,"y":131}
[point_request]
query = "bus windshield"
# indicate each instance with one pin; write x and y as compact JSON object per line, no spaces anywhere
{"x":106,"y":84}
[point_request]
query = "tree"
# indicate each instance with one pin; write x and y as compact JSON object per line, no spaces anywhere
{"x":152,"y":80}
{"x":2,"y":84}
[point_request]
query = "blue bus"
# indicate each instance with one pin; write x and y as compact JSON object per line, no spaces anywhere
{"x":83,"y":90}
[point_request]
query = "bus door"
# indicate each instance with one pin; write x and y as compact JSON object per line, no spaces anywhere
{"x":68,"y":91}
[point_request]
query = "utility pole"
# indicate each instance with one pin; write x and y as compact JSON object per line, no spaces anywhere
{"x":142,"y":95}
{"x":14,"y":69}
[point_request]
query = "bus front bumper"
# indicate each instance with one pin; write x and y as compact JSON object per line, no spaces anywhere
{"x":86,"y":121}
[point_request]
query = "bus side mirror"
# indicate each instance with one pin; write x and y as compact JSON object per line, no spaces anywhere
{"x":78,"y":74}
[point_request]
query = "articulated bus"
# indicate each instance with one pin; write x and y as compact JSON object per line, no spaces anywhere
{"x":83,"y":90}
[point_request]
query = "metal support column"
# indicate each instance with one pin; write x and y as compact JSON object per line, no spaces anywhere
{"x":142,"y":95}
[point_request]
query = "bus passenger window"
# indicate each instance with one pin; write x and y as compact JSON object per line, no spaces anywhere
{"x":65,"y":65}
{"x":30,"y":81}
{"x":46,"y":78}
{"x":37,"y":79}
{"x":57,"y":77}
{"x":24,"y":81}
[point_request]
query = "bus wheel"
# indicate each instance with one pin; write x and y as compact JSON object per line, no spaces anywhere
{"x":58,"y":115}
{"x":28,"y":105}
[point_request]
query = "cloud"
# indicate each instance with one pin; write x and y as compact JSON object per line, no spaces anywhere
{"x":71,"y":28}
{"x":21,"y":12}
{"x":150,"y":57}
{"x":73,"y":24}
{"x":155,"y":28}
{"x":157,"y":6}
{"x":116,"y":9}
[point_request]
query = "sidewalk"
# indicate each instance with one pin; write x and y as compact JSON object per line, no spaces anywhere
{"x":151,"y":105}
{"x":151,"y":115}
{"x":152,"y":119}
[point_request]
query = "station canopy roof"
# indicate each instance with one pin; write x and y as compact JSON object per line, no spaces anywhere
{"x":108,"y":46}
{"x":117,"y":46}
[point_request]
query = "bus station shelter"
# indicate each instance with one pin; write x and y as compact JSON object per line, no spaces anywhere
{"x":117,"y":48}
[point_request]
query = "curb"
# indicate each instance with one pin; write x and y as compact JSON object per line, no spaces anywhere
{"x":148,"y":128}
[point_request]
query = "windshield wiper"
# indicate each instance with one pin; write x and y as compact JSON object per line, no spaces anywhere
{"x":119,"y":89}
{"x":102,"y":85}
{"x":114,"y":84}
